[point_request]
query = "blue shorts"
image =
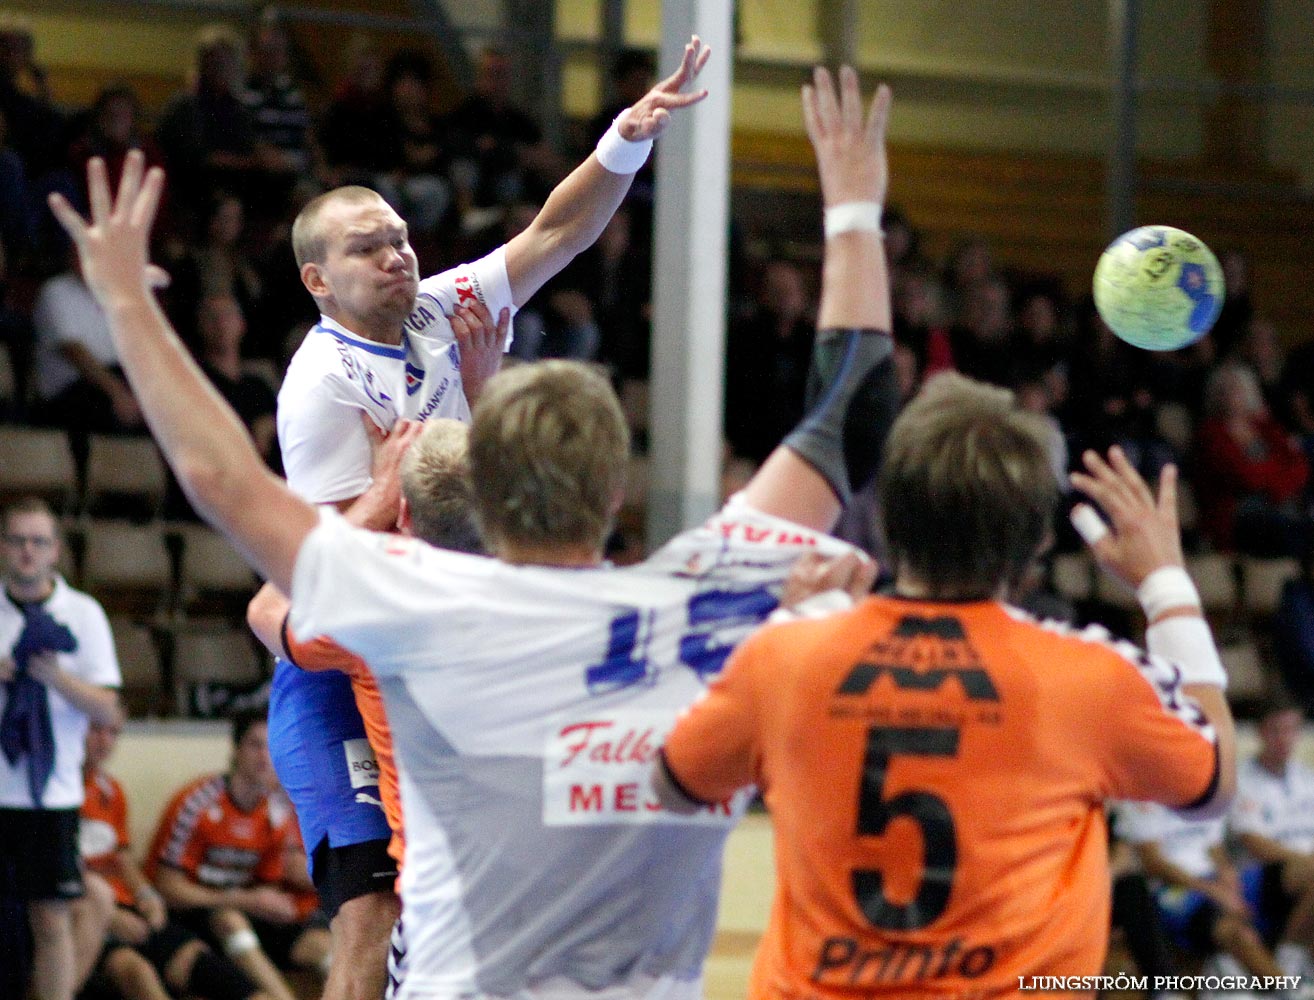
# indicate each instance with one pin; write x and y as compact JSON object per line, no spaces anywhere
{"x":323,"y":758}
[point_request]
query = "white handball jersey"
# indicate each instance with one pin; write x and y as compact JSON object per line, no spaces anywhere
{"x":526,"y":706}
{"x":335,"y":375}
{"x":1277,"y":806}
{"x":1184,"y":842}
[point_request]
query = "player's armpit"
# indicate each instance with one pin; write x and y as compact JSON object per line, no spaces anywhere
{"x":671,"y":794}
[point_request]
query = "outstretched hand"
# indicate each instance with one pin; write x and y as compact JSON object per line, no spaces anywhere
{"x":114,"y":246}
{"x":648,"y":117}
{"x":850,"y":148}
{"x":1144,"y":533}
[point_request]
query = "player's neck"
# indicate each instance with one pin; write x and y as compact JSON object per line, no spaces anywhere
{"x":561,"y":556}
{"x":31,"y":592}
{"x":911,"y":588}
{"x":388,"y":332}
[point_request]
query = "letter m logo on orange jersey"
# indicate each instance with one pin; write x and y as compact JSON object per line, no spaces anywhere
{"x":920,"y":655}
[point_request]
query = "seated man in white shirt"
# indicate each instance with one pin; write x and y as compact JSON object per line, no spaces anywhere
{"x":1273,"y":818}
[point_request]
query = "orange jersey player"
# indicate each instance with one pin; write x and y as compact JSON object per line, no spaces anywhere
{"x":936,"y":762}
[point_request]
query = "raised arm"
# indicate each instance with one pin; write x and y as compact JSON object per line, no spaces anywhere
{"x":579,"y":208}
{"x":202,"y":438}
{"x":852,"y":393}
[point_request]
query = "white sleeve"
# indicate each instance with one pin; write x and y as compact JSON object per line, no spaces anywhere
{"x":381,"y":596}
{"x":96,"y":661}
{"x":326,"y":452}
{"x":485,"y":279}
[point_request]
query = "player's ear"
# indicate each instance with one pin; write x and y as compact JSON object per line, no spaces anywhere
{"x":312,"y":276}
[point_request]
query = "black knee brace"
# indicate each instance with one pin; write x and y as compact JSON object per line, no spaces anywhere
{"x":217,"y":978}
{"x":852,"y":399}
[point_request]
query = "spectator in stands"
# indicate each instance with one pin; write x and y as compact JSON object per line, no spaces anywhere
{"x":1238,"y":307}
{"x":353,"y":133}
{"x":222,"y":326}
{"x":276,"y":104}
{"x":78,"y":382}
{"x":1112,"y":397}
{"x":113,"y":128}
{"x":970,"y":263}
{"x":36,"y":125}
{"x":1249,"y":473}
{"x":1133,"y":912}
{"x":919,"y":320}
{"x":1261,"y":350}
{"x":1273,"y":818}
{"x":17,"y":216}
{"x":16,"y":338}
{"x":1041,"y":346}
{"x":225,"y":860}
{"x":147,"y":954}
{"x":415,"y":179}
{"x":216,"y":265}
{"x":1293,"y":636}
{"x":982,"y":339}
{"x":767,"y":357}
{"x":502,"y":141}
{"x":58,"y":674}
{"x":207,"y":134}
{"x":1198,"y":889}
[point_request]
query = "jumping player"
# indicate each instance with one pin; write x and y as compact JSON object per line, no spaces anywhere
{"x":391,"y":346}
{"x":936,"y":763}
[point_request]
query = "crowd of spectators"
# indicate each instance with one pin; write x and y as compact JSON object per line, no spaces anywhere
{"x":247,"y":142}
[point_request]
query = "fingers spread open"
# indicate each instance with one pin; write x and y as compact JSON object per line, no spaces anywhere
{"x":67,"y":216}
{"x":850,"y":100}
{"x":98,"y":191}
{"x":879,"y":115}
{"x":148,"y":199}
{"x":129,"y":183}
{"x":827,"y":104}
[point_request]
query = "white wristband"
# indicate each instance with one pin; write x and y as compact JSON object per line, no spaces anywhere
{"x":1167,"y":587}
{"x":1188,"y":643}
{"x":618,"y":154}
{"x":846,"y":217}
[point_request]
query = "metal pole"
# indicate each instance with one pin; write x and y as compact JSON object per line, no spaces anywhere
{"x":1120,"y":178}
{"x":689,"y":280}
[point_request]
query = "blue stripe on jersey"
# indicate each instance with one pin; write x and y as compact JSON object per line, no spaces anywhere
{"x":369,"y":346}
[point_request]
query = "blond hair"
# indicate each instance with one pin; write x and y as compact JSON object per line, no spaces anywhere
{"x":967,"y":489}
{"x":308,"y":242}
{"x":547,"y":456}
{"x":435,"y":480}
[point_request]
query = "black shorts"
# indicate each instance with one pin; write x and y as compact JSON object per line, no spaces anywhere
{"x":344,"y":873}
{"x":39,"y":856}
{"x":276,"y":940}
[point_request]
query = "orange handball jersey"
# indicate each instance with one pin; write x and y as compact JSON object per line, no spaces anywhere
{"x":205,"y":834}
{"x":936,"y":775}
{"x":103,"y":830}
{"x":325,"y":654}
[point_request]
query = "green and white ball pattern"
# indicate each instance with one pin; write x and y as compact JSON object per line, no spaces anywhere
{"x":1158,"y":288}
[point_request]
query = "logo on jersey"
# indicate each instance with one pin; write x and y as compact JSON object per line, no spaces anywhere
{"x":466,"y":292}
{"x":922,"y":654}
{"x":596,"y":771}
{"x":414,"y":379}
{"x":362,"y":765}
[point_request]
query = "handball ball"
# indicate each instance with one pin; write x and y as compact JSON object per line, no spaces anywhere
{"x":1158,"y":288}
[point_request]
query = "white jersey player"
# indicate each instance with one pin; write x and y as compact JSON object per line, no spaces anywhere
{"x":505,"y":758}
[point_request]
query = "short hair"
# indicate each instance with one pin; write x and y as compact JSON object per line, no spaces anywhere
{"x":968,"y":489}
{"x":308,"y":243}
{"x":435,"y":480}
{"x":548,"y":450}
{"x":28,"y":505}
{"x":244,"y":719}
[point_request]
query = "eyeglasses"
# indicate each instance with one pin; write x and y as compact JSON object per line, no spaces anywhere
{"x":36,"y":541}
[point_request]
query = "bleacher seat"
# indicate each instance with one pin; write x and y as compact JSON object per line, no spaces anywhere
{"x":1262,"y":580}
{"x":139,"y":663}
{"x":37,"y":461}
{"x":213,"y":577}
{"x":215,"y":655}
{"x":127,"y":566}
{"x":124,"y":474}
